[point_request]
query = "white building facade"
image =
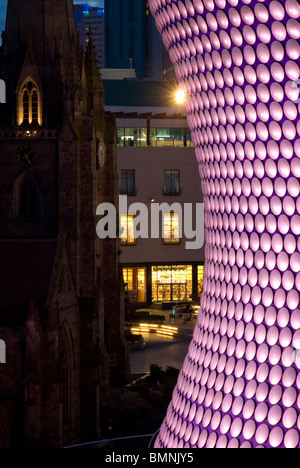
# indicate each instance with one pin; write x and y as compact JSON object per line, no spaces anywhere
{"x":160,"y":269}
{"x":157,"y":168}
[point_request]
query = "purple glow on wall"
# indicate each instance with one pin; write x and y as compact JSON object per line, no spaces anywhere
{"x":238,"y":62}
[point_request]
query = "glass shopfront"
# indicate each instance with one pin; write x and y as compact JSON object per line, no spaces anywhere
{"x":172,"y":283}
{"x":168,"y":283}
{"x":156,"y":137}
{"x":200,"y":279}
{"x":135,"y":284}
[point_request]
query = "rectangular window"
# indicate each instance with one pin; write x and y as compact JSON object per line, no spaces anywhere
{"x":132,"y":136}
{"x":164,"y":137}
{"x":135,"y":280}
{"x":200,"y":279}
{"x":127,"y":230}
{"x":158,"y":137}
{"x":121,"y":136}
{"x":172,"y":182}
{"x":188,"y":138}
{"x":178,"y":137}
{"x":142,"y":141}
{"x":128,"y":182}
{"x":171,"y":228}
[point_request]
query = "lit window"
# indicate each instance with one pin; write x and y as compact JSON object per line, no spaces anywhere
{"x":35,"y":107}
{"x":29,"y":104}
{"x":200,"y":279}
{"x":164,"y":137}
{"x":156,"y":137}
{"x":171,"y":228}
{"x":168,"y":137}
{"x":172,"y":283}
{"x":132,"y":137}
{"x":25,"y":107}
{"x":135,"y":282}
{"x":127,"y":230}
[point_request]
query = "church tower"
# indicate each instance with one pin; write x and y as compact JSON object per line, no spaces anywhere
{"x":61,"y":308}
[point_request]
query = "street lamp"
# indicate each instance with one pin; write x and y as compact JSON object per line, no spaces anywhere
{"x":180,"y":96}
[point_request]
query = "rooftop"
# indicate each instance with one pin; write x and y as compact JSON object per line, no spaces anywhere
{"x":142,"y":96}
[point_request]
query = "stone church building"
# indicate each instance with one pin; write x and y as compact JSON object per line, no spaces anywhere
{"x":61,"y":303}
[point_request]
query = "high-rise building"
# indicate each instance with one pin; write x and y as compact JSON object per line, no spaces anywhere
{"x":87,"y":18}
{"x":60,"y":303}
{"x":125,"y":33}
{"x":131,"y":38}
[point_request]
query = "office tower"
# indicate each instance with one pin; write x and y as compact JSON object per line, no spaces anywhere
{"x":126,"y":35}
{"x":132,"y":40}
{"x":87,"y":18}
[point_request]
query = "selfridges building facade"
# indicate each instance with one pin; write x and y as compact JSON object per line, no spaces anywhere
{"x":238,"y":63}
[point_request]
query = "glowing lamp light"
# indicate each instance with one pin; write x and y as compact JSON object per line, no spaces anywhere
{"x":180,"y":96}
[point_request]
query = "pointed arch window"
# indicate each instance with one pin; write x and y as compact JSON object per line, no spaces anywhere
{"x":35,"y":107}
{"x":29,"y":104}
{"x":25,"y":107}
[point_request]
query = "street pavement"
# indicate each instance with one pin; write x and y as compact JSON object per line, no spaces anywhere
{"x":185,"y":328}
{"x":163,"y":351}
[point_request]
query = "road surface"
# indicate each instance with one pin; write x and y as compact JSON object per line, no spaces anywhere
{"x":160,"y":350}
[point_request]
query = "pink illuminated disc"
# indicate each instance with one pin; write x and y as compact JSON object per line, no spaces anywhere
{"x":239,"y":64}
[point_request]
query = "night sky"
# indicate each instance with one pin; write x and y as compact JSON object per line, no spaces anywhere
{"x":99,"y":3}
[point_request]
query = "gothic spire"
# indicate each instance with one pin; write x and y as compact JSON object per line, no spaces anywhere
{"x":47,"y":24}
{"x":45,"y":21}
{"x":93,"y":77}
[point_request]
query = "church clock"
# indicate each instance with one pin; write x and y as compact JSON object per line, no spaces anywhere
{"x":26,"y":155}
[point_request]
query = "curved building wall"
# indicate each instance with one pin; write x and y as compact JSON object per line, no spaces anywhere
{"x":238,"y":63}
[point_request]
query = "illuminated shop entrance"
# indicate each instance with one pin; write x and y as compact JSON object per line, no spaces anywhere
{"x":135,"y":284}
{"x":172,"y":283}
{"x":200,"y":279}
{"x":171,"y":292}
